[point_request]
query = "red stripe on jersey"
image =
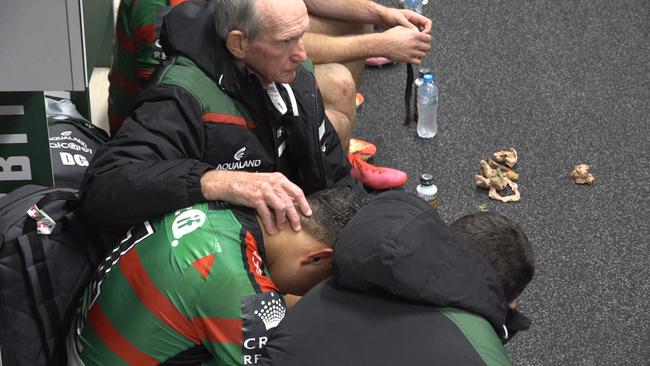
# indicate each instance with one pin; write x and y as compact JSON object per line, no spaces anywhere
{"x":219,"y":330}
{"x":144,"y":74}
{"x":145,"y":34}
{"x":115,"y":341}
{"x":255,"y":265}
{"x":124,"y":40}
{"x":151,"y":297}
{"x":204,"y":265}
{"x":121,"y":81}
{"x":227,"y":119}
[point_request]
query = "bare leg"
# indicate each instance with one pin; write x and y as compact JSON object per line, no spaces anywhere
{"x":338,"y":83}
{"x":342,"y":126}
{"x":335,"y":28}
{"x":338,"y":91}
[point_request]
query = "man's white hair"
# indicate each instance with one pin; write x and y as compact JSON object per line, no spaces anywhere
{"x":236,"y":14}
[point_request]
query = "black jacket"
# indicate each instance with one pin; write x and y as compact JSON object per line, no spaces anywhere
{"x":202,"y":112}
{"x":406,"y":291}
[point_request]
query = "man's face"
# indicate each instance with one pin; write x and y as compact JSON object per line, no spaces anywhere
{"x":276,"y":52}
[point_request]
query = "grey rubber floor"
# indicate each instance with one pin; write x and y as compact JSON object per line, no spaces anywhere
{"x":563,"y":82}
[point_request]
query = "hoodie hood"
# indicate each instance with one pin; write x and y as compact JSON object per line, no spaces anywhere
{"x":188,"y":29}
{"x":398,"y":245}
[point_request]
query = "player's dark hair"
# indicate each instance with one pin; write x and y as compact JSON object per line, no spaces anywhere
{"x":331,"y":209}
{"x":504,"y":244}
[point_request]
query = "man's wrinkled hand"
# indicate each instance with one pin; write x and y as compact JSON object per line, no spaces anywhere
{"x":273,"y":195}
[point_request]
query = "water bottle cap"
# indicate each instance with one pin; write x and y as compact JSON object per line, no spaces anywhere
{"x":423,"y":71}
{"x":428,"y":78}
{"x":426,"y":179}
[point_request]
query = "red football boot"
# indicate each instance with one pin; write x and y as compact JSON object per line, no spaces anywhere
{"x":375,"y":177}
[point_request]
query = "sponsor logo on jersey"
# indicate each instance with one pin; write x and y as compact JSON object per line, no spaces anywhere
{"x":257,"y":262}
{"x":260,"y":314}
{"x":186,"y":222}
{"x":65,"y":140}
{"x":270,"y":312}
{"x":158,"y":53}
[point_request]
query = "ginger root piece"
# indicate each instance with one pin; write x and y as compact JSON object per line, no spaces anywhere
{"x":482,"y":182}
{"x":514,"y":197}
{"x":509,"y":157}
{"x":495,"y":181}
{"x":495,"y":178}
{"x":504,"y":170}
{"x":581,"y":174}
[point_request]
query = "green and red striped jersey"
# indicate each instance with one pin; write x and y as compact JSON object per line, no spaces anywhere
{"x":135,"y":53}
{"x":188,"y":287}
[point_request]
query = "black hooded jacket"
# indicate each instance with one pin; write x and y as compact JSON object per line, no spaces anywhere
{"x":406,"y":291}
{"x":201,"y":112}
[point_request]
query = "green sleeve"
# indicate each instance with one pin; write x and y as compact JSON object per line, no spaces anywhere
{"x":480,"y":335}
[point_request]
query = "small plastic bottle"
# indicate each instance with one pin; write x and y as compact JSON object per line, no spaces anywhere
{"x":427,"y":108}
{"x":427,"y":190}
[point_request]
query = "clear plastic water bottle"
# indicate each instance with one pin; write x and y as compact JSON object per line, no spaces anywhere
{"x":427,"y":108}
{"x":427,"y":190}
{"x":420,"y":79}
{"x":415,"y":5}
{"x":416,"y":84}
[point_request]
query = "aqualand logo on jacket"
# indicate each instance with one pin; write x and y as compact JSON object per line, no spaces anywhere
{"x":238,"y":163}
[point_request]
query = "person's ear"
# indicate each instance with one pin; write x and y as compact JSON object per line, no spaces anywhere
{"x":319,"y":256}
{"x":514,"y":304}
{"x":237,"y":43}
